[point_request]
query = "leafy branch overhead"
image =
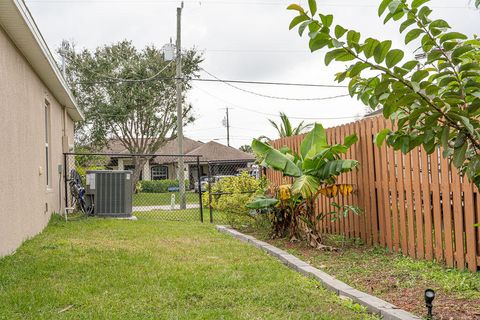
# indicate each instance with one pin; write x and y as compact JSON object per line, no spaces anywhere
{"x":434,"y":103}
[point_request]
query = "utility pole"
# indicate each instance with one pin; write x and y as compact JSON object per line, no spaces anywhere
{"x":181,"y":172}
{"x":228,"y":130}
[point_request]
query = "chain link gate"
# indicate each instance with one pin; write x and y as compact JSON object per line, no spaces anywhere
{"x":214,"y":191}
{"x":156,"y":191}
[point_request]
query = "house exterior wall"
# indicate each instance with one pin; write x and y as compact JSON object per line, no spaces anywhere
{"x":26,"y":202}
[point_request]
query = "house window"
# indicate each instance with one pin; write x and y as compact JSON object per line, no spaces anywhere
{"x":160,"y":173}
{"x":48,"y":165}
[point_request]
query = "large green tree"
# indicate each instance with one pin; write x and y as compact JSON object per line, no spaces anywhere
{"x":434,"y":103}
{"x":129,"y":95}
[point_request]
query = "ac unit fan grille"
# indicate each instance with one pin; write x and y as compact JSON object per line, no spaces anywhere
{"x":109,"y":199}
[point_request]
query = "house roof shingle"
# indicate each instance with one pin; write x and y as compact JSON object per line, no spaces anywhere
{"x":214,"y":151}
{"x":170,"y":148}
{"x":210,"y":151}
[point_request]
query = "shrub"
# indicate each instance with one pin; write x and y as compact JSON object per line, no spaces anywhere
{"x":159,"y":186}
{"x":82,"y":171}
{"x":231,"y":194}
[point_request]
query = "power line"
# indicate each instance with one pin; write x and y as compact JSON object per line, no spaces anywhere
{"x":296,"y":118}
{"x":247,"y":129}
{"x":156,"y":77}
{"x":270,"y":114}
{"x":269,"y":51}
{"x":216,"y":79}
{"x":204,"y":129}
{"x":274,"y":97}
{"x":261,"y":3}
{"x":135,"y":80}
{"x":241,"y":108}
{"x":235,"y":138}
{"x":271,"y":83}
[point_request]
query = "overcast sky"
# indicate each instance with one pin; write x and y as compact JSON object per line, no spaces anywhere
{"x":241,"y":40}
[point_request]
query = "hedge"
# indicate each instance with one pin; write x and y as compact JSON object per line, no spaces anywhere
{"x":159,"y":186}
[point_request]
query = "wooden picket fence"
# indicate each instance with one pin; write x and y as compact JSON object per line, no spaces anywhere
{"x":416,"y":204}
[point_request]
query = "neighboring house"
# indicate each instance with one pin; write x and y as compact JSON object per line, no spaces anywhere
{"x":373,"y":114}
{"x":37,"y":114}
{"x":223,"y":160}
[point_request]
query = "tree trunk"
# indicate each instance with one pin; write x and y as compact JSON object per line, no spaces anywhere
{"x":138,"y":163}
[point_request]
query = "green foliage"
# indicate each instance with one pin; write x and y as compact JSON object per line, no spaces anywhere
{"x":114,"y":105}
{"x":344,"y":210}
{"x":141,"y":115}
{"x":86,"y":162}
{"x":431,"y":104}
{"x":82,"y":172}
{"x":262,"y":202}
{"x":246,"y":148}
{"x":317,"y":164}
{"x":85,"y":159}
{"x":231,"y":194}
{"x":285,"y":128}
{"x":158,"y":186}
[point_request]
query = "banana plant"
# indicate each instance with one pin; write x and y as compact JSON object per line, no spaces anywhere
{"x":317,"y":164}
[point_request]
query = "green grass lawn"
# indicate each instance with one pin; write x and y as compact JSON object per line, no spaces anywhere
{"x":149,"y":269}
{"x":184,"y":215}
{"x":159,"y":199}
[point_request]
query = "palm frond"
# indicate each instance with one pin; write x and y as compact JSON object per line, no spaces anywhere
{"x":286,"y":124}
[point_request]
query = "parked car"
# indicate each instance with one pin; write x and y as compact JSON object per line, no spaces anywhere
{"x":203,"y":184}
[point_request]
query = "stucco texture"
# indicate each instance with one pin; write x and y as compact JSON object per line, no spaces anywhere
{"x":26,"y":202}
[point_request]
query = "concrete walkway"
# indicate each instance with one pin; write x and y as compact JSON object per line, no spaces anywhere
{"x":164,"y":207}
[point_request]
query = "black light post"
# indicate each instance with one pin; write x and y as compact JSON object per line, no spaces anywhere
{"x":429,"y":296}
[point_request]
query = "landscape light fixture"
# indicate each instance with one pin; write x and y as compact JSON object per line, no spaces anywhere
{"x":429,"y":296}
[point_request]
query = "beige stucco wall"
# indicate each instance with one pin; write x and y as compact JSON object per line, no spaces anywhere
{"x":25,"y":201}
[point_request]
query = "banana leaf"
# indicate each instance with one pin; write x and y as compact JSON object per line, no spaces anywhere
{"x":275,"y":159}
{"x":333,"y":168}
{"x":306,"y":185}
{"x":262,"y":202}
{"x":314,"y":142}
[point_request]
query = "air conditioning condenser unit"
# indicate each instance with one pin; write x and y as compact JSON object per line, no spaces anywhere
{"x":111,"y":191}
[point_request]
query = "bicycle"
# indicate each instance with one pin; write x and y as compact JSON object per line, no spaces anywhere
{"x":80,"y":199}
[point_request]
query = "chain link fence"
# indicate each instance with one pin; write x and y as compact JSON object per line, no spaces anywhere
{"x":229,"y":185}
{"x":150,"y":186}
